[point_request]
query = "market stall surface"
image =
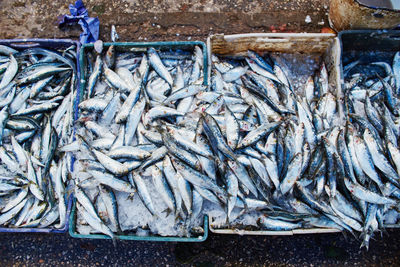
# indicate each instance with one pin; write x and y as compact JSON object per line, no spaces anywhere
{"x":221,"y":250}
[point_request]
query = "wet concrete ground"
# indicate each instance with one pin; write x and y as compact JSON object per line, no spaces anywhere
{"x":226,"y":250}
{"x":150,"y":20}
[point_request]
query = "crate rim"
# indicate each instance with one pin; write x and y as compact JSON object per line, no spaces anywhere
{"x":72,"y":232}
{"x":367,"y":31}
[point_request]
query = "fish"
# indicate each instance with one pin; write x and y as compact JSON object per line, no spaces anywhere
{"x":112,"y":182}
{"x":277,"y":225}
{"x":162,"y":188}
{"x":158,"y":66}
{"x":10,"y":73}
{"x":144,"y":193}
{"x":108,"y":198}
{"x":232,"y":190}
{"x":95,"y":222}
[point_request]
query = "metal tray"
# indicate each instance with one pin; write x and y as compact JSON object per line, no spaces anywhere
{"x":138,"y":46}
{"x":21,"y":44}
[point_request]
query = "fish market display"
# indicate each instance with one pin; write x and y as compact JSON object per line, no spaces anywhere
{"x":37,"y":90}
{"x":267,"y":145}
{"x":319,"y":160}
{"x":129,"y":144}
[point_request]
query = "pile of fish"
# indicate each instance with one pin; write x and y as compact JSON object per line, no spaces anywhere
{"x":37,"y":92}
{"x":250,"y":143}
{"x":319,"y":160}
{"x":129,"y":103}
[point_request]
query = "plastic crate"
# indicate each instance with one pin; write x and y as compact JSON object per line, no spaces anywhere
{"x":364,"y":41}
{"x":138,"y":47}
{"x":21,"y":44}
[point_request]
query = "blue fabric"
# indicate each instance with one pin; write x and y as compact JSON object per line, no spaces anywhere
{"x":79,"y":14}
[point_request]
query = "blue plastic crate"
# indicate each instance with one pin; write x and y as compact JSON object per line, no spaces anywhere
{"x":21,"y":44}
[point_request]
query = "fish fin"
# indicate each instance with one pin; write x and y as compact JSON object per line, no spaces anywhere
{"x":167,"y":211}
{"x":114,"y":240}
{"x":119,"y":230}
{"x":346,"y":236}
{"x":365,"y":241}
{"x":178,"y":217}
{"x":211,"y":157}
{"x":306,"y":224}
{"x":364,"y":244}
{"x":383,"y":232}
{"x":131,"y":195}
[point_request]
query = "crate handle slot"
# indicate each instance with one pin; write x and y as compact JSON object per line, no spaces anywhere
{"x":395,"y":37}
{"x":24,"y":45}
